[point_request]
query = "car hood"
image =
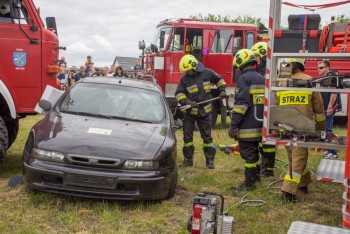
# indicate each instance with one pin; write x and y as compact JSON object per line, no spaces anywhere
{"x":83,"y":135}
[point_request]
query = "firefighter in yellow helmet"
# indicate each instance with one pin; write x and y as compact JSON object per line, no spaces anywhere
{"x":268,"y":152}
{"x":195,"y":87}
{"x":260,"y":51}
{"x":311,"y":105}
{"x":245,"y":128}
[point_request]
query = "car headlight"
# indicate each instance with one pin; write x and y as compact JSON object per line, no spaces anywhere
{"x":47,"y":155}
{"x":140,"y":165}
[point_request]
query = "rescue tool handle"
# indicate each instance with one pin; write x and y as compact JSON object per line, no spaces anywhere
{"x":186,"y":107}
{"x":198,"y":103}
{"x":256,"y":107}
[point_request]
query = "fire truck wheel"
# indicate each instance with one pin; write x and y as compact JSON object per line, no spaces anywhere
{"x":2,"y":153}
{"x":3,"y":138}
{"x":223,"y":113}
{"x":214,"y":114}
{"x":12,"y":127}
{"x":173,"y":183}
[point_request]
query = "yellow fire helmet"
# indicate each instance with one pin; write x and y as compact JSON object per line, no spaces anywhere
{"x":187,"y":63}
{"x":243,"y":57}
{"x":296,"y":63}
{"x":260,"y":48}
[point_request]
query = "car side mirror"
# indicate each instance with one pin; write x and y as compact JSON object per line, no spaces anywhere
{"x":51,"y":24}
{"x":16,"y":9}
{"x":162,"y":38}
{"x":45,"y":105}
{"x":142,"y":45}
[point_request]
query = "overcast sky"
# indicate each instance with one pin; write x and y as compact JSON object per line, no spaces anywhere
{"x":108,"y":28}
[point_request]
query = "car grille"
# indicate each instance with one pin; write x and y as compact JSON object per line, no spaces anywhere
{"x":91,"y":181}
{"x":93,"y":161}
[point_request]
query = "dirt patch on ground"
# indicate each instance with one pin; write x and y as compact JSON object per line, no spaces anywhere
{"x":183,"y":197}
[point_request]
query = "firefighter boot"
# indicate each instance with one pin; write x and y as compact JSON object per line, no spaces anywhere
{"x":250,"y":179}
{"x":267,"y":162}
{"x":209,"y":153}
{"x":188,"y":152}
{"x":304,"y":190}
{"x":266,"y":172}
{"x":257,"y":176}
{"x":288,"y":197}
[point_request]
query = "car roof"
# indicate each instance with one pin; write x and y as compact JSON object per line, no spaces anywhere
{"x":120,"y":81}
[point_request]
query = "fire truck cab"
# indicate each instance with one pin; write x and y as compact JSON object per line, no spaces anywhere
{"x":214,"y":44}
{"x":28,"y":62}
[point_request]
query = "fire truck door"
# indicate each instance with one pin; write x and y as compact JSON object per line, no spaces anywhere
{"x":217,"y":52}
{"x":21,"y":60}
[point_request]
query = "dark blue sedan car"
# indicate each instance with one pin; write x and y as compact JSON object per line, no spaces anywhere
{"x":110,"y":138}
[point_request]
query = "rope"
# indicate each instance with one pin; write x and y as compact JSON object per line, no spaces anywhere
{"x":225,"y":147}
{"x":314,"y":7}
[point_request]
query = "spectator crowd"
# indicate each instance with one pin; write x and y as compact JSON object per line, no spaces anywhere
{"x":69,"y":76}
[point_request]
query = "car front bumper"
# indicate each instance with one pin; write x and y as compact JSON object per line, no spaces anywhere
{"x":96,"y":182}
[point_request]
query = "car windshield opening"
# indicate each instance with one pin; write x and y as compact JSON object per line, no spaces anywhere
{"x":113,"y":101}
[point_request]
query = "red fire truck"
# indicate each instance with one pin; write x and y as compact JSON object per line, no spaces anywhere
{"x":28,"y":62}
{"x":214,"y":44}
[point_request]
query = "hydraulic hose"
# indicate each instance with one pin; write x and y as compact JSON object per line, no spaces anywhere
{"x":323,"y":39}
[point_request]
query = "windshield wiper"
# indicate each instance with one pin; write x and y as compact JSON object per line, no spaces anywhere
{"x":133,"y":120}
{"x":92,"y":114}
{"x":107,"y":116}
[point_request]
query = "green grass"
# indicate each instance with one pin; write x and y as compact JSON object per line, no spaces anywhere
{"x":27,"y":212}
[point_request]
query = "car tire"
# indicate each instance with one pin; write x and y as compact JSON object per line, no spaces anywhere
{"x":3,"y":138}
{"x":173,"y":183}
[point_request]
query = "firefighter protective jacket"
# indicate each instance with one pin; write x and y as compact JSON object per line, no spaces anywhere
{"x":197,"y":88}
{"x":308,"y":102}
{"x":250,"y":85}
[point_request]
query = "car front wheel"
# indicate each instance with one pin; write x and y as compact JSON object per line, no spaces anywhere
{"x":173,"y":184}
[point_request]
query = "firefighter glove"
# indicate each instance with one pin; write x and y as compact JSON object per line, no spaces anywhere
{"x":193,"y":104}
{"x":233,"y":133}
{"x":223,"y":95}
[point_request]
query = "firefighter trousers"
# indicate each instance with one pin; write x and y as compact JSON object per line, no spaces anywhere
{"x":204,"y":125}
{"x":299,"y":175}
{"x":268,"y":153}
{"x":249,"y":151}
